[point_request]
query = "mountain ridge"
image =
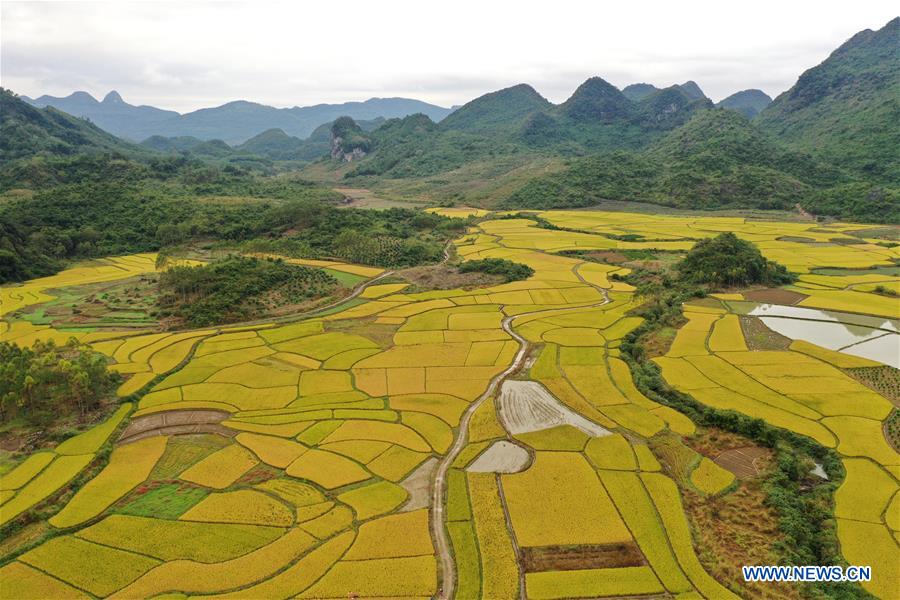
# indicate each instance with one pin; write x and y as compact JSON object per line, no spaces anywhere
{"x":838,"y":109}
{"x":747,"y":102}
{"x":234,"y":122}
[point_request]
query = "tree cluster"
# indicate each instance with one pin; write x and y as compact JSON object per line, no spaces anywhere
{"x":237,"y":288}
{"x":509,"y":270}
{"x":726,"y":261}
{"x":44,"y":382}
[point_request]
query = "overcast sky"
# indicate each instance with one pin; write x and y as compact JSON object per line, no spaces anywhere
{"x":188,"y":55}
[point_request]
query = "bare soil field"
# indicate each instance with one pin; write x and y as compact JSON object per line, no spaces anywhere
{"x":363,"y":198}
{"x":572,"y":558}
{"x":446,"y":277}
{"x":501,"y":457}
{"x":742,"y":461}
{"x":775,"y":296}
{"x":527,"y":406}
{"x":418,"y":485}
{"x":176,"y":422}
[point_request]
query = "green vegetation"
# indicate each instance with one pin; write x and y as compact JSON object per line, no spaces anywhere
{"x":803,"y":502}
{"x":822,"y":145}
{"x":747,"y":102}
{"x":163,"y":501}
{"x":727,"y":260}
{"x":717,"y":160}
{"x":44,"y":382}
{"x":517,"y":123}
{"x":27,"y":131}
{"x":237,"y":289}
{"x":885,"y":291}
{"x":842,"y":109}
{"x":349,"y":136}
{"x":416,"y":147}
{"x":394,"y":237}
{"x":509,"y":270}
{"x":103,"y":205}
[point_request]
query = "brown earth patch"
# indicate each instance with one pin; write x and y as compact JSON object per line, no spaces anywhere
{"x":739,"y":528}
{"x":759,"y":337}
{"x":418,"y":485}
{"x":445,"y":277}
{"x":176,"y":422}
{"x":774,"y":296}
{"x":743,"y":461}
{"x":258,"y":474}
{"x":21,"y":440}
{"x":607,"y":256}
{"x":572,"y":558}
{"x":364,"y":198}
{"x":659,"y":342}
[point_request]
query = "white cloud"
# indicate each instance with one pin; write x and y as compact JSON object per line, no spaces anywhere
{"x":187,"y":55}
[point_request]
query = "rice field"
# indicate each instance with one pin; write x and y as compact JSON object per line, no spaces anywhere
{"x":318,"y":482}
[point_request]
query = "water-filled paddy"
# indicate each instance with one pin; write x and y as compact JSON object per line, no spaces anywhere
{"x":869,"y":337}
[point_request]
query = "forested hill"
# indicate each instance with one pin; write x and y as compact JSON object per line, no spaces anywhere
{"x":847,"y":109}
{"x":26,"y":131}
{"x":828,"y":144}
{"x":717,"y":160}
{"x":517,"y":121}
{"x":747,"y":102}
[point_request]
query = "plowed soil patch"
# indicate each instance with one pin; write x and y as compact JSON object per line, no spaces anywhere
{"x":527,"y":406}
{"x":775,"y":296}
{"x":572,"y":558}
{"x":742,"y":461}
{"x":176,"y":422}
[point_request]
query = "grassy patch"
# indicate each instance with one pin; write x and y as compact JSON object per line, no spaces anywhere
{"x":162,"y":500}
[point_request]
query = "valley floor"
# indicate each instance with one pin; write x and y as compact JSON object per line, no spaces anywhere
{"x":466,"y":443}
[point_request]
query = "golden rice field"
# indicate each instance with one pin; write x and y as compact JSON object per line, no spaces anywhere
{"x":317,"y":480}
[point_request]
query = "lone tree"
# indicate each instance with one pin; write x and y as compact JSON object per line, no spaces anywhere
{"x":726,"y":260}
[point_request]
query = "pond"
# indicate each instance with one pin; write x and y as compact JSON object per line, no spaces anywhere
{"x":875,"y":338}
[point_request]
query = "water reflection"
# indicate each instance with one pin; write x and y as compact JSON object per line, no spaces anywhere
{"x":875,"y":338}
{"x":814,"y":314}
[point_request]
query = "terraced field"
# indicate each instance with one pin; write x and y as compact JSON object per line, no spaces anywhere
{"x":290,"y":459}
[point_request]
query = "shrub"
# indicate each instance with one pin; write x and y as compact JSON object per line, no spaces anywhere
{"x":509,"y":270}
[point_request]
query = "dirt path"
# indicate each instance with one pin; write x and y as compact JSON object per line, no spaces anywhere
{"x":439,"y":532}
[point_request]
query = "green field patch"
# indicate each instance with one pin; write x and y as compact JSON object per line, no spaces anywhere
{"x":162,"y":500}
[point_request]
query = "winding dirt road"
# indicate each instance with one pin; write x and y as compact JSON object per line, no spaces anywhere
{"x":439,"y":532}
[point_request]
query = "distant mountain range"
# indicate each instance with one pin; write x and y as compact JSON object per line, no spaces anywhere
{"x":237,"y":122}
{"x":233,"y":123}
{"x":829,"y":143}
{"x":518,"y":120}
